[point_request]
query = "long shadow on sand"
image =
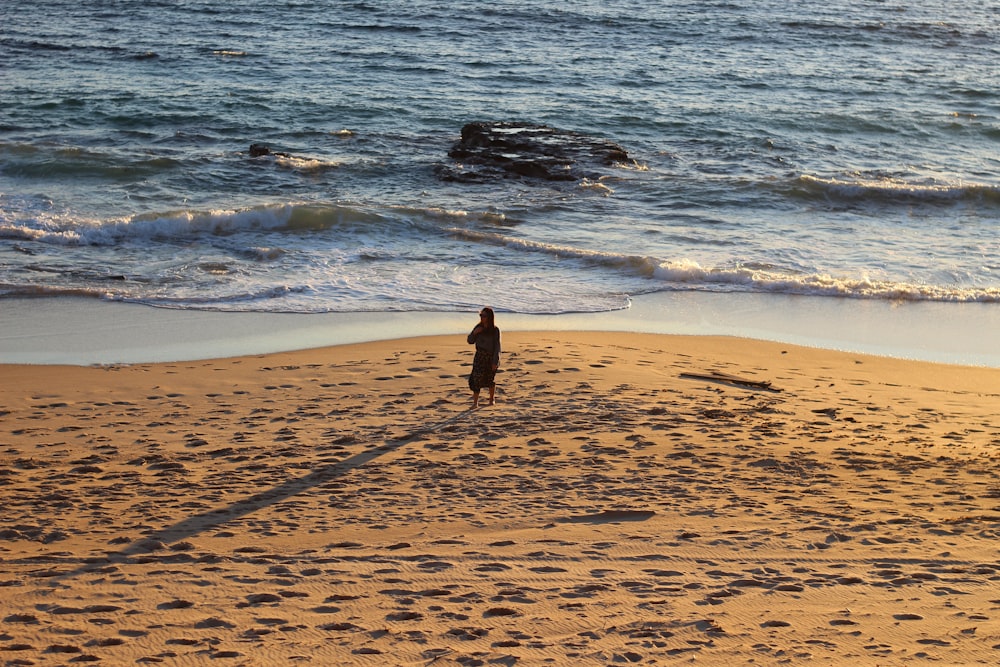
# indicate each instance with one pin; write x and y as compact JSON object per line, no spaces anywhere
{"x":214,"y":518}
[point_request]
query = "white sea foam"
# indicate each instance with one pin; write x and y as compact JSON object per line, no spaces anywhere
{"x":897,"y":189}
{"x":305,"y":164}
{"x":682,"y":272}
{"x":598,"y":186}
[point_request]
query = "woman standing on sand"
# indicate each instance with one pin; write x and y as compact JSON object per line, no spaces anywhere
{"x":486,"y":337}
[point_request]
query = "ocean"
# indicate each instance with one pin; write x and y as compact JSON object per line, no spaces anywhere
{"x":833,"y":150}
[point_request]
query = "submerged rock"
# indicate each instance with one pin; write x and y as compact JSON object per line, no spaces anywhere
{"x":263,"y":150}
{"x":489,"y":150}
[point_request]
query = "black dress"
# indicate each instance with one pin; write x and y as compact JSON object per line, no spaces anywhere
{"x":483,"y":375}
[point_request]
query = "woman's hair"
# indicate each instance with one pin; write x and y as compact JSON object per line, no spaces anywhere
{"x":490,"y":323}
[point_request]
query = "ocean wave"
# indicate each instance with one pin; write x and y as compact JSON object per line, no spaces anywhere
{"x":72,"y":230}
{"x":267,"y":298}
{"x":25,"y":291}
{"x":235,"y":301}
{"x":814,"y":284}
{"x":688,"y":274}
{"x":56,"y":162}
{"x":896,"y":190}
{"x":62,"y":228}
{"x":39,"y":220}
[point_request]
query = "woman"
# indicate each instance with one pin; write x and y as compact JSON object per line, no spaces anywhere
{"x":486,"y":337}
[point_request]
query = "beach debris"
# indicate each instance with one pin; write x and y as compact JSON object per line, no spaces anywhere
{"x":731,"y":379}
{"x":610,"y":516}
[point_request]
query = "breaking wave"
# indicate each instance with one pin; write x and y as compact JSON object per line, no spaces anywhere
{"x":688,"y":274}
{"x":62,"y":229}
{"x":890,"y":189}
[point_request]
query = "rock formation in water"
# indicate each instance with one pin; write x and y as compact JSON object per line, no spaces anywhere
{"x":489,"y":150}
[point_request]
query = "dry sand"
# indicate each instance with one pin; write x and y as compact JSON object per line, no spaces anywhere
{"x":344,"y":506}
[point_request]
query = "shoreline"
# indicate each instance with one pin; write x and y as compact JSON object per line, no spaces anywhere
{"x":76,"y":331}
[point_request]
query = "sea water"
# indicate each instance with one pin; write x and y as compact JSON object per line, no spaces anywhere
{"x":835,"y":149}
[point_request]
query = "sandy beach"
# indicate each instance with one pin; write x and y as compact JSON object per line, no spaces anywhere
{"x":618,"y":505}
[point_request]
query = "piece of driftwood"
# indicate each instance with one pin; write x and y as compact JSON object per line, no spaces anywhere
{"x":731,"y":379}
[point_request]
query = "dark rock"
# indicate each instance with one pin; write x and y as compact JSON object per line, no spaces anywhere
{"x":261,"y":150}
{"x":489,"y":150}
{"x":257,"y":150}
